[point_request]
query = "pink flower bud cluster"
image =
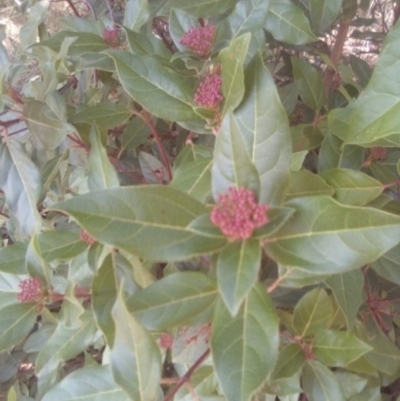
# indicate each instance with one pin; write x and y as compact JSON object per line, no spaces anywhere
{"x":237,"y":214}
{"x":110,"y":35}
{"x":86,"y":237}
{"x":30,"y":290}
{"x":199,"y":40}
{"x":166,"y":341}
{"x":378,"y":153}
{"x":209,"y":93}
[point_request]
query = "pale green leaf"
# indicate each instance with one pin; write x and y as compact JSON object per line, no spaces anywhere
{"x":338,"y":348}
{"x":143,"y":216}
{"x":178,"y":299}
{"x":326,"y":237}
{"x":36,"y":266}
{"x":199,"y":8}
{"x":20,"y":181}
{"x":157,"y":88}
{"x":245,"y":347}
{"x":238,"y":266}
{"x":287,"y":23}
{"x":320,"y":384}
{"x":87,"y":384}
{"x":136,"y":14}
{"x":12,"y":258}
{"x":305,"y":183}
{"x":134,"y":351}
{"x":347,"y":289}
{"x":102,"y":174}
{"x":265,"y":128}
{"x":312,"y":313}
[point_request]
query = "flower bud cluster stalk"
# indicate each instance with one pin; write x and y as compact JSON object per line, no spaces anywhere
{"x":237,"y":214}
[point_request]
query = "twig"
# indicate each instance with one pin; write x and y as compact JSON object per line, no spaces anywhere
{"x":186,"y":377}
{"x":276,"y":283}
{"x":71,"y":4}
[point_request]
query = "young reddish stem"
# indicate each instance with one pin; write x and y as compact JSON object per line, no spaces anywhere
{"x":186,"y":377}
{"x":391,"y":184}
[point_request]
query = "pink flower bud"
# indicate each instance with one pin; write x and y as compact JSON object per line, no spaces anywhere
{"x":199,"y":40}
{"x":378,"y":153}
{"x":166,"y":341}
{"x":110,"y":35}
{"x":237,"y":214}
{"x":30,"y":290}
{"x":86,"y":237}
{"x":208,"y":93}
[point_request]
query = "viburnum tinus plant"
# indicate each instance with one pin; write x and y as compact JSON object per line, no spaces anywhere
{"x":199,"y":201}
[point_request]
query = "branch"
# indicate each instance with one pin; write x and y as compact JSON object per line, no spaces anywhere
{"x":186,"y":377}
{"x":71,"y":4}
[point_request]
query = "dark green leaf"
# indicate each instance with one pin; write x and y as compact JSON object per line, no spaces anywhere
{"x":320,"y":384}
{"x":311,"y":86}
{"x":312,"y":313}
{"x":327,"y":237}
{"x":347,"y":289}
{"x":324,"y":13}
{"x":87,"y":384}
{"x":287,"y":23}
{"x":245,"y":348}
{"x":142,"y":44}
{"x":135,"y":133}
{"x":387,"y":266}
{"x":264,"y":126}
{"x":20,"y":182}
{"x":361,"y":69}
{"x":134,"y":351}
{"x":338,"y":348}
{"x":237,"y":271}
{"x":177,"y":299}
{"x":289,"y":94}
{"x":136,"y":14}
{"x":143,"y":216}
{"x":159,"y":90}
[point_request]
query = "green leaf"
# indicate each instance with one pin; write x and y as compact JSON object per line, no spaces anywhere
{"x":347,"y":289}
{"x":20,"y":182}
{"x":361,"y":69}
{"x":135,"y":133}
{"x":50,"y":131}
{"x":155,"y":87}
{"x":326,"y":237}
{"x":237,"y":271}
{"x":152,"y":169}
{"x":232,"y":59}
{"x":102,"y":174}
{"x":352,"y":187}
{"x":338,"y":348}
{"x":134,"y":351}
{"x":87,"y":384}
{"x":232,"y":166}
{"x":200,"y":8}
{"x":387,"y":266}
{"x":178,"y":299}
{"x":194,"y":178}
{"x":290,"y":360}
{"x":104,"y":295}
{"x":265,"y":128}
{"x":312,"y":313}
{"x":16,"y":323}
{"x":287,"y":23}
{"x":288,"y":95}
{"x":311,"y":86}
{"x":305,"y":183}
{"x":140,"y":43}
{"x":29,"y":30}
{"x":143,"y":216}
{"x":323,"y":13}
{"x":136,"y":14}
{"x":12,"y":258}
{"x":320,"y":384}
{"x":375,"y":113}
{"x":36,"y":266}
{"x":245,"y":347}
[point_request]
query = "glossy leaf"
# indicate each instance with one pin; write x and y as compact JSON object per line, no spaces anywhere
{"x":311,"y":86}
{"x":338,"y":348}
{"x":232,"y":59}
{"x":287,"y":23}
{"x":305,"y":183}
{"x":16,"y":323}
{"x":352,"y":187}
{"x":237,"y":271}
{"x":136,"y":14}
{"x":232,"y":165}
{"x":375,"y":113}
{"x":159,"y":90}
{"x":177,"y":299}
{"x":87,"y":384}
{"x":347,"y":289}
{"x":143,"y":215}
{"x":312,"y":313}
{"x":134,"y":351}
{"x":323,"y":13}
{"x":327,"y":237}
{"x":20,"y":182}
{"x":320,"y":384}
{"x":264,"y":126}
{"x":245,"y":347}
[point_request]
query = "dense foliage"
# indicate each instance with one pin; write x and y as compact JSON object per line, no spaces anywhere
{"x":199,"y":201}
